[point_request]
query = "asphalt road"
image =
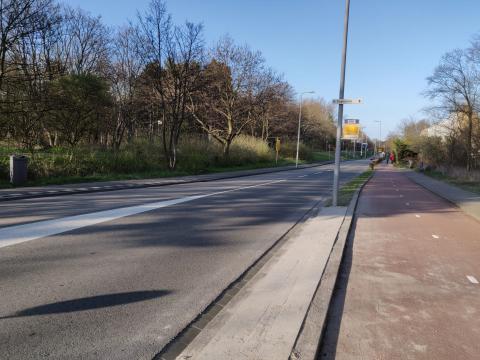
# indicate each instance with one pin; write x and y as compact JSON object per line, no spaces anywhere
{"x":120,"y":284}
{"x":409,"y":285}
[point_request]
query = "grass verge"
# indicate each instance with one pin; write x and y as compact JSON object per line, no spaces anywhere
{"x":465,"y":184}
{"x":62,"y":180}
{"x":346,"y":192}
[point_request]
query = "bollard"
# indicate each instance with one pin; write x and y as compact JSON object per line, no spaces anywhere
{"x":18,"y":169}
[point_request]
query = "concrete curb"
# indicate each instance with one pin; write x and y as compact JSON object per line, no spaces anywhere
{"x":176,"y":345}
{"x":84,"y":188}
{"x":308,"y":340}
{"x":470,"y":204}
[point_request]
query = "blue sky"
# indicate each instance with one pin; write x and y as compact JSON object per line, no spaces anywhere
{"x":394,"y":45}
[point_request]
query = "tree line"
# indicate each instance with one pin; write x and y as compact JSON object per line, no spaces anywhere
{"x":450,"y":136}
{"x":66,"y":79}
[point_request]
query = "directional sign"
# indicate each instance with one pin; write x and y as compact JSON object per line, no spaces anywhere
{"x":348,"y":101}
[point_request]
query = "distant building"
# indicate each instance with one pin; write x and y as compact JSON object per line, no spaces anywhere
{"x":444,"y":128}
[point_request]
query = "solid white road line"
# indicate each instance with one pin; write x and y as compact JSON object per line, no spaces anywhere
{"x":17,"y":234}
{"x":472,"y":279}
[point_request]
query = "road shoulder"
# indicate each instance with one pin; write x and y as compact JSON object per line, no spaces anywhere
{"x":103,"y":186}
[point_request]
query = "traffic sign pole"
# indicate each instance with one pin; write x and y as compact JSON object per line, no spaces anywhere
{"x":336,"y":173}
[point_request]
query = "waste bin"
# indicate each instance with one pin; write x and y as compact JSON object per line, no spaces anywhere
{"x":18,"y":169}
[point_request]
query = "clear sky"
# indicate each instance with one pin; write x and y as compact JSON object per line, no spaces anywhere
{"x":394,"y":45}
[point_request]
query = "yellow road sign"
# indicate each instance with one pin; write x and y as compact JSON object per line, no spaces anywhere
{"x":351,"y":131}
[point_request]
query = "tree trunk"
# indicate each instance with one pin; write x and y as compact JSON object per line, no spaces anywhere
{"x":469,"y":142}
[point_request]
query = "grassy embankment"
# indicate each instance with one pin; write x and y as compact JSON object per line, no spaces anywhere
{"x":469,"y":182}
{"x":143,"y":159}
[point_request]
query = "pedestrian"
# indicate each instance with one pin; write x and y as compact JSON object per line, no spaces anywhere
{"x":392,"y":157}
{"x":387,"y":157}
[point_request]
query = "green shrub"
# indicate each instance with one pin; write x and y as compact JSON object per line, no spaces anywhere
{"x":288,"y":149}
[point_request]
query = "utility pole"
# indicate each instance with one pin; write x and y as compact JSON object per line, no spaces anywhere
{"x":336,"y":173}
{"x":299,"y":122}
{"x":380,"y":142}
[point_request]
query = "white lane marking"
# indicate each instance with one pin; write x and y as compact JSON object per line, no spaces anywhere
{"x":16,"y":234}
{"x":408,"y":204}
{"x":472,"y":279}
{"x":436,"y":236}
{"x":303,"y":176}
{"x":401,"y":195}
{"x":418,"y":216}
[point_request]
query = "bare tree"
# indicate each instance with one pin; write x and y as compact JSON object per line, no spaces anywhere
{"x":18,"y":19}
{"x":231,"y":86}
{"x":126,"y":69}
{"x":171,"y":56}
{"x":455,"y":84}
{"x":84,"y":48}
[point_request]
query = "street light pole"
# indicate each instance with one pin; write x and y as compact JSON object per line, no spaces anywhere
{"x":336,"y":173}
{"x":380,"y":121}
{"x":299,"y":124}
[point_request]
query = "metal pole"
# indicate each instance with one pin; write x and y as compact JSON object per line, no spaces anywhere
{"x":336,"y":173}
{"x":298,"y":135}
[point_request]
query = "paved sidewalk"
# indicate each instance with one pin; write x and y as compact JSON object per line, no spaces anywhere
{"x":89,"y":187}
{"x":263,"y":320}
{"x":409,"y":284}
{"x":465,"y":200}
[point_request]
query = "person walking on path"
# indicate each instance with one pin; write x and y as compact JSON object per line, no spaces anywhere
{"x":392,"y":158}
{"x":387,"y":157}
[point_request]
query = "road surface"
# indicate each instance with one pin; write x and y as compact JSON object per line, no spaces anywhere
{"x":116,"y":275}
{"x":409,"y":286}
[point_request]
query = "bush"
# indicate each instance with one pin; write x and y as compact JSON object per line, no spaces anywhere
{"x":289,"y":150}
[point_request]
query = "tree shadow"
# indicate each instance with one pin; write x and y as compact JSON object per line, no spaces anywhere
{"x":90,"y":303}
{"x":329,"y":341}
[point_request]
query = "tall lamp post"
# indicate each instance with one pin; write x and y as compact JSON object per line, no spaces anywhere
{"x":363,"y":142}
{"x":336,"y":173}
{"x":380,"y":121}
{"x":299,"y":123}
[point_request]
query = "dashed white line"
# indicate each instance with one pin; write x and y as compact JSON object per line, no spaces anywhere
{"x":417,"y":216}
{"x":436,"y":236}
{"x":472,"y":279}
{"x":303,"y":176}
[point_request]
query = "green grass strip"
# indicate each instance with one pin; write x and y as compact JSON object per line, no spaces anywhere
{"x":346,"y":192}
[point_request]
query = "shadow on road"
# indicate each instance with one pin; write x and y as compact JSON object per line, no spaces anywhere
{"x":90,"y":303}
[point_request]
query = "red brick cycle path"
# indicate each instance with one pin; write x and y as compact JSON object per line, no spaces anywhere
{"x":407,"y":286}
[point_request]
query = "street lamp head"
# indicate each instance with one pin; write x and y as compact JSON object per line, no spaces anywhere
{"x":307,"y":92}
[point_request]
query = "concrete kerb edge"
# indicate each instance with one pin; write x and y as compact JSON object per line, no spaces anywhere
{"x":179,"y":342}
{"x":311,"y":333}
{"x":167,"y":183}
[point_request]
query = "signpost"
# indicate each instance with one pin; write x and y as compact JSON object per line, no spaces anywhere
{"x":348,"y":101}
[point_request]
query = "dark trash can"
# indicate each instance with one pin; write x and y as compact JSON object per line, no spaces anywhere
{"x":18,"y":169}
